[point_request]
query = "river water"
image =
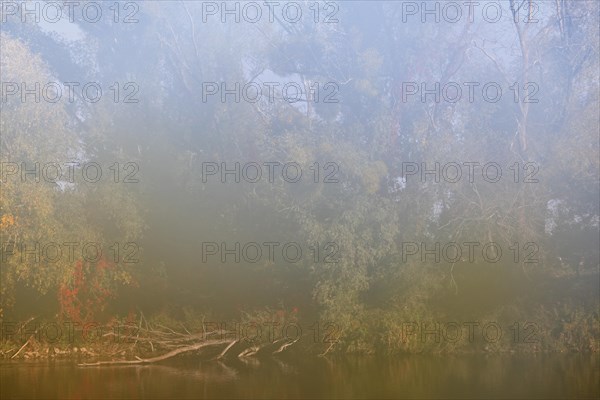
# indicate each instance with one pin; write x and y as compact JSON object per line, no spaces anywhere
{"x":414,"y":376}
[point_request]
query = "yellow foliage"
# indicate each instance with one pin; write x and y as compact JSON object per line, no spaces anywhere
{"x":7,"y":220}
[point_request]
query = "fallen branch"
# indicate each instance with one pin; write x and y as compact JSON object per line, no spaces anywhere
{"x":227,"y":349}
{"x":28,"y":340}
{"x":22,"y":347}
{"x":170,"y":354}
{"x":250,"y":351}
{"x":285,"y":346}
{"x":328,"y":349}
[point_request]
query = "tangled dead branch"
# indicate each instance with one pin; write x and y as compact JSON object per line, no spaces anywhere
{"x":172,"y":343}
{"x":170,"y":354}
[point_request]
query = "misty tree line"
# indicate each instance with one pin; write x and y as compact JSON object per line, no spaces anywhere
{"x":379,"y":125}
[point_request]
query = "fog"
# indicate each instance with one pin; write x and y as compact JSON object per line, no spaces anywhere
{"x":311,"y":180}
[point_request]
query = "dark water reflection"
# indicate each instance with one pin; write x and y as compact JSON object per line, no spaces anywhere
{"x":542,"y":376}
